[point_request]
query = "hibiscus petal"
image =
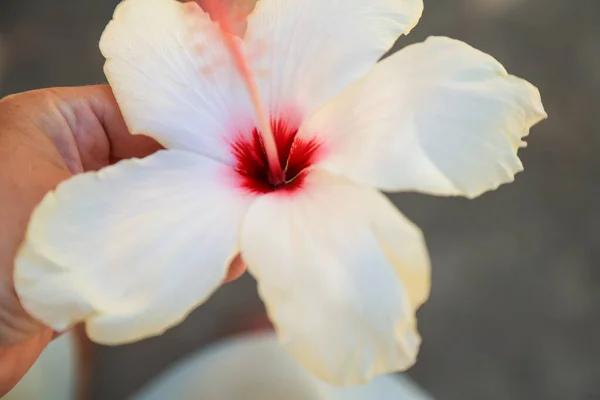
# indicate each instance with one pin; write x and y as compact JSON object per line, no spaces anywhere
{"x":172,"y":76}
{"x":341,"y":273}
{"x":307,"y":51}
{"x":132,"y":249}
{"x":438,"y":117}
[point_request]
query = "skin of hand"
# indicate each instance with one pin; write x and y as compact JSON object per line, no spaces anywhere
{"x":46,"y":136}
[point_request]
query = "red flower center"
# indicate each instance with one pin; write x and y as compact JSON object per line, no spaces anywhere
{"x":295,"y":156}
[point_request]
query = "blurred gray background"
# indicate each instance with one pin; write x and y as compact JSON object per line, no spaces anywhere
{"x":515,"y":309}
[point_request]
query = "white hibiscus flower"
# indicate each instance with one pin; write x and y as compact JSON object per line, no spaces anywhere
{"x":287,"y":174}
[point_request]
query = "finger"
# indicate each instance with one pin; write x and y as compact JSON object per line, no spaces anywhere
{"x":31,"y":166}
{"x":97,"y":127}
{"x":57,"y":334}
{"x":16,"y":360}
{"x":123,"y":144}
{"x":236,"y":269}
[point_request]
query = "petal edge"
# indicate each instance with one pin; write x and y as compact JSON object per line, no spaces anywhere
{"x":437,"y":117}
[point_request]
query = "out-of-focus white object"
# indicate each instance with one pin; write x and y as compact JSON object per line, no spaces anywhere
{"x":254,"y":367}
{"x":52,"y":377}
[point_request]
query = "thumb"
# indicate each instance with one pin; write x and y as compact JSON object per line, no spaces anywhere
{"x":16,"y":360}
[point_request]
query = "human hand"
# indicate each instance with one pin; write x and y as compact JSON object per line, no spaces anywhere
{"x":46,"y":136}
